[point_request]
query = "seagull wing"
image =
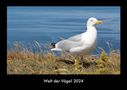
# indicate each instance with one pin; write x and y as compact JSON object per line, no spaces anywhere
{"x":66,"y":45}
{"x":75,"y":38}
{"x":80,"y":48}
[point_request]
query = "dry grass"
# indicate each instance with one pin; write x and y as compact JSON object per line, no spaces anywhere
{"x":22,"y":61}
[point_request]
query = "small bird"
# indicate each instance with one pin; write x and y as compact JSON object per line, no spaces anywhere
{"x":80,"y":44}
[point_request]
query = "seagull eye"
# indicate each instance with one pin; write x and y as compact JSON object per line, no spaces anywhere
{"x":91,"y":20}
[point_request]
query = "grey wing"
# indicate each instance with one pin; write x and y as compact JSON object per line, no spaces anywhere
{"x":66,"y":45}
{"x":75,"y":38}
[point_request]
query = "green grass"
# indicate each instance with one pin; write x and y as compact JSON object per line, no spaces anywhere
{"x":20,"y":60}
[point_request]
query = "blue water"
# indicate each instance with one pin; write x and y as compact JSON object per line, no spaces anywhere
{"x":49,"y":23}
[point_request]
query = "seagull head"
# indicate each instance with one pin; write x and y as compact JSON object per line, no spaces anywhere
{"x":93,"y":21}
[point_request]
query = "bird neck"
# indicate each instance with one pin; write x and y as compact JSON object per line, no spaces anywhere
{"x":91,"y":33}
{"x":91,"y":28}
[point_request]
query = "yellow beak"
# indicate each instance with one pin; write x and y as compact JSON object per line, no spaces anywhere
{"x":99,"y":22}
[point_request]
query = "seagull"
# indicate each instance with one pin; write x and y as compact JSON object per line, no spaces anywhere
{"x":80,"y":44}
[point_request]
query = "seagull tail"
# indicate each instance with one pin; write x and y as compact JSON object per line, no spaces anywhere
{"x":56,"y":49}
{"x":53,"y":45}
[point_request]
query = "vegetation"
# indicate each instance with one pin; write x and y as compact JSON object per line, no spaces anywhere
{"x":20,"y":60}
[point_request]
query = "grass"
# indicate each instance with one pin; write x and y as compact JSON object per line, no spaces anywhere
{"x":20,"y":60}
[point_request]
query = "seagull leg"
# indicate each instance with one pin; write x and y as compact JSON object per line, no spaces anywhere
{"x":78,"y":63}
{"x":81,"y":61}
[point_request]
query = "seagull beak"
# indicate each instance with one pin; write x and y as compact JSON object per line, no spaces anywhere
{"x":99,"y":22}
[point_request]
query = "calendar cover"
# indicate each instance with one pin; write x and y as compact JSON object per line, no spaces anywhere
{"x":52,"y":44}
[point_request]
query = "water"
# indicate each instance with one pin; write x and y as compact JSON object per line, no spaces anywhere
{"x":48,"y":24}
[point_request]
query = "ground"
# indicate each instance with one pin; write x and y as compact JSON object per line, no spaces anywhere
{"x":27,"y":62}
